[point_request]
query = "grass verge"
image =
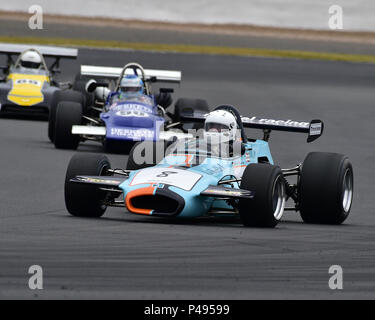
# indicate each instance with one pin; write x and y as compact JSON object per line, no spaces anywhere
{"x":181,"y":48}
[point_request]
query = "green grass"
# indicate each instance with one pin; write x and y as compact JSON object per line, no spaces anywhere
{"x":181,"y":48}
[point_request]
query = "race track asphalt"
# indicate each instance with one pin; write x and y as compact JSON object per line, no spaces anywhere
{"x":126,"y":256}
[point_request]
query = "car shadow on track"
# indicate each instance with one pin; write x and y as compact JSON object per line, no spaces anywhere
{"x":10,"y":116}
{"x":225,"y":222}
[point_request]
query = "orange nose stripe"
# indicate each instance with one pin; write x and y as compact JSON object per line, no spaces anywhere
{"x":135,"y":193}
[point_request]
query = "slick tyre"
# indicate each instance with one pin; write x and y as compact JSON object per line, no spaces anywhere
{"x":60,"y":96}
{"x":84,"y":200}
{"x":68,"y":114}
{"x":267,"y":207}
{"x":326,"y":188}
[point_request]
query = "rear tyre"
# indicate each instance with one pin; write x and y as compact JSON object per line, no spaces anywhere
{"x":59,"y":96}
{"x":326,"y":188}
{"x":68,"y":114}
{"x":145,"y":154}
{"x":84,"y":200}
{"x":190,"y":105}
{"x":80,"y":86}
{"x":267,"y":207}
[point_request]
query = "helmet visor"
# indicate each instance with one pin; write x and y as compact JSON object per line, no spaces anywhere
{"x":216,"y":127}
{"x":29,"y":64}
{"x":131,"y":89}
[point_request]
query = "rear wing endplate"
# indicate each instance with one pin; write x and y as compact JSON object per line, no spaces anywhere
{"x":114,"y":72}
{"x":314,"y":128}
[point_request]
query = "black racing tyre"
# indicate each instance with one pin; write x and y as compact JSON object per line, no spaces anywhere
{"x":80,"y":86}
{"x":84,"y":200}
{"x":68,"y":114}
{"x":145,"y":154}
{"x":59,"y":96}
{"x":163,"y":99}
{"x":267,"y":207}
{"x":325,"y":188}
{"x":189,"y":105}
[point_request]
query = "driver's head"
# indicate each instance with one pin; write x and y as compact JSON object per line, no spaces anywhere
{"x":221,"y":126}
{"x":131,"y":85}
{"x":31,"y":59}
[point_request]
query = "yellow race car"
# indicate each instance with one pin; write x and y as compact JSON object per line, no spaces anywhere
{"x":28,"y":85}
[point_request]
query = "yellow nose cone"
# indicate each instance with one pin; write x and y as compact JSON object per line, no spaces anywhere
{"x":26,"y":89}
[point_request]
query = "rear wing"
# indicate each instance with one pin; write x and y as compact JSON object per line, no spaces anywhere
{"x":114,"y":73}
{"x":314,"y":128}
{"x":46,"y":51}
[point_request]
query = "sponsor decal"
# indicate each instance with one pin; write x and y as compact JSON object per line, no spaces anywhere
{"x":315,"y":129}
{"x":288,"y":123}
{"x":182,"y":179}
{"x":28,"y":81}
{"x":129,"y":113}
{"x":224,"y":192}
{"x":100,"y":181}
{"x":135,"y":107}
{"x":132,"y":133}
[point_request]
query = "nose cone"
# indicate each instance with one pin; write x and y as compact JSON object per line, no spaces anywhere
{"x":132,"y":119}
{"x":154,"y":201}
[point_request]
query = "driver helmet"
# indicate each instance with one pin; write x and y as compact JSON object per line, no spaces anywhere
{"x":31,"y":59}
{"x":220,"y":126}
{"x":131,"y":85}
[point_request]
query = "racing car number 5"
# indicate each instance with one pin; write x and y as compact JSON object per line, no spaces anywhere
{"x":183,"y":179}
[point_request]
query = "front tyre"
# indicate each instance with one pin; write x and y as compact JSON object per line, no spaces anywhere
{"x":59,"y":96}
{"x":68,"y":114}
{"x":84,"y":200}
{"x":267,"y":207}
{"x":326,"y":188}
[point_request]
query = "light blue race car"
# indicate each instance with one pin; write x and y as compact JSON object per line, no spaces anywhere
{"x":217,"y":172}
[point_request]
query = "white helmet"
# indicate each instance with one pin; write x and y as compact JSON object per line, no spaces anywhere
{"x":31,"y":59}
{"x":220,"y":126}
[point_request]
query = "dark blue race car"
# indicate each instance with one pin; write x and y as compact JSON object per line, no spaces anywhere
{"x":124,"y":114}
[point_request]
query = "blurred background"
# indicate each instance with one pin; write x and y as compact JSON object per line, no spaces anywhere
{"x":306,"y":14}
